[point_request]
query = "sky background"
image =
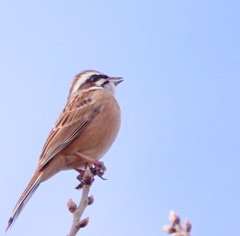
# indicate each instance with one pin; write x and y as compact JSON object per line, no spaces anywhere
{"x":178,"y":147}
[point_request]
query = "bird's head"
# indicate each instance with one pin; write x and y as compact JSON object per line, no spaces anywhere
{"x":93,"y":80}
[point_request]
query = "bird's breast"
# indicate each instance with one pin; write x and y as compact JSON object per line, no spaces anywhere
{"x":99,"y":135}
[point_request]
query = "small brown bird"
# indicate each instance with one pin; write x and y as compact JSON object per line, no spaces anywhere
{"x":83,"y":133}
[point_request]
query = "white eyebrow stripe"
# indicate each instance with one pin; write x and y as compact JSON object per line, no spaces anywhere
{"x":82,"y":79}
{"x":86,"y":90}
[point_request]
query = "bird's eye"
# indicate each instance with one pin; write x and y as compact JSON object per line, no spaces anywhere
{"x":93,"y":78}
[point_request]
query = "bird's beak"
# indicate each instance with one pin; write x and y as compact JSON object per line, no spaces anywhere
{"x":115,"y":80}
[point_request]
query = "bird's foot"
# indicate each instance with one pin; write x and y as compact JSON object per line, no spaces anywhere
{"x":98,"y":169}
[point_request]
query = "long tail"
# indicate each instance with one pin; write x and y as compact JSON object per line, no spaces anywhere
{"x":27,"y":194}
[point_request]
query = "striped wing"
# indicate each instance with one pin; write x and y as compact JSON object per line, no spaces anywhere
{"x":68,"y":127}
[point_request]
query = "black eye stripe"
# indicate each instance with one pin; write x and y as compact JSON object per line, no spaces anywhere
{"x":104,"y":83}
{"x":94,"y":78}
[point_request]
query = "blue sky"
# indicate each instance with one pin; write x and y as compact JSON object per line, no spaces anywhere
{"x":178,"y":147}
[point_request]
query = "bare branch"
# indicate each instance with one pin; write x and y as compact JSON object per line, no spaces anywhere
{"x":175,"y":229}
{"x":77,"y":224}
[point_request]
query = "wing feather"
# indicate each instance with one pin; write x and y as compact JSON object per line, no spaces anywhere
{"x":68,"y":127}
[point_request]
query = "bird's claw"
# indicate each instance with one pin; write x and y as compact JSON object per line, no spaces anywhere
{"x":98,"y":169}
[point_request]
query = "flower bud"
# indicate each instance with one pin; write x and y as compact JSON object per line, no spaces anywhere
{"x":90,"y":200}
{"x":187,"y":226}
{"x":168,"y":229}
{"x":83,"y":223}
{"x":174,"y":218}
{"x":72,"y":206}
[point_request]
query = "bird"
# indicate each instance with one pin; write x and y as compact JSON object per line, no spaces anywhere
{"x":84,"y":131}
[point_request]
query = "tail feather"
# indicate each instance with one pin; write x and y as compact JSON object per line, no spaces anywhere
{"x":27,"y":194}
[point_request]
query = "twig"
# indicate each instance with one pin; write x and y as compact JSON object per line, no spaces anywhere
{"x":175,"y":229}
{"x":77,"y":224}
